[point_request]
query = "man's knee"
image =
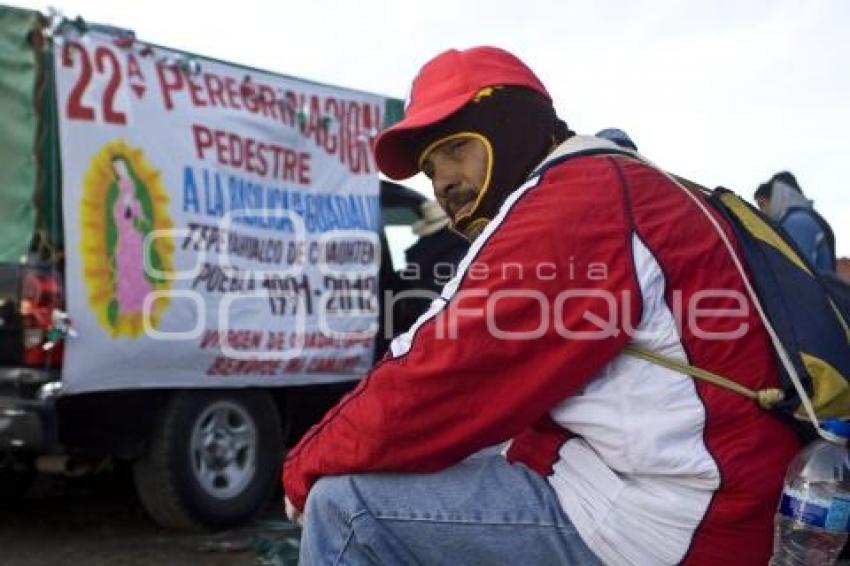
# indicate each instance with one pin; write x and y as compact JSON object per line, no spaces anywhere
{"x":333,"y":495}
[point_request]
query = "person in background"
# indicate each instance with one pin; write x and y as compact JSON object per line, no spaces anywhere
{"x":578,"y":251}
{"x":781,"y":199}
{"x":433,"y":259}
{"x":617,"y":136}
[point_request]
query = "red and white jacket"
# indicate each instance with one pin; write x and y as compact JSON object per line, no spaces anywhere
{"x":651,"y":466}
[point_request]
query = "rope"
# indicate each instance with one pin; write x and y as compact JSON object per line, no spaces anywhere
{"x":766,"y":398}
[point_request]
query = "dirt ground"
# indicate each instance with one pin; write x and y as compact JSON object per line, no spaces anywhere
{"x":99,"y":521}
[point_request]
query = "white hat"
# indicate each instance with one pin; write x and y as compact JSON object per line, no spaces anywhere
{"x":433,"y":220}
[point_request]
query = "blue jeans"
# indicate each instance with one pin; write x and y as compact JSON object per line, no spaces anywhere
{"x":481,"y":511}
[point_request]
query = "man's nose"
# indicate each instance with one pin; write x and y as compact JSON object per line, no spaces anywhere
{"x":444,"y":180}
{"x":442,"y":189}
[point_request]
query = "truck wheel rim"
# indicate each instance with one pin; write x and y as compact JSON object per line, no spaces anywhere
{"x":224,"y":449}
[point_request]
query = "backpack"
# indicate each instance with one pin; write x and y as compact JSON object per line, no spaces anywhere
{"x":806,"y":314}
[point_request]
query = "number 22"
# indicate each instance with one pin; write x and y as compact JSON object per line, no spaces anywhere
{"x":77,"y":109}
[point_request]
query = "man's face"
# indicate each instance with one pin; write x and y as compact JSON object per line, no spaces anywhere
{"x":458,"y":168}
{"x":763,"y":203}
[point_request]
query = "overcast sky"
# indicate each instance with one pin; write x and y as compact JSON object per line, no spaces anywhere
{"x":723,"y":92}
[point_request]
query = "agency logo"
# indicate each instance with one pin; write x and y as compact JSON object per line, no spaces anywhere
{"x":123,"y":203}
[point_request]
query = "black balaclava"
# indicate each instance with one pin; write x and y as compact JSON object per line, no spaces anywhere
{"x":521,"y":128}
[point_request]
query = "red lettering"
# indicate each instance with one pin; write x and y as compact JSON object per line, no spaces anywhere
{"x":362,"y":159}
{"x":110,"y":115}
{"x":304,"y":168}
{"x":353,"y":123}
{"x":170,"y":79}
{"x":224,"y":366}
{"x":332,"y":365}
{"x":252,"y":155}
{"x":232,"y":92}
{"x":249,"y":97}
{"x":221,"y":146}
{"x":267,"y":102}
{"x":290,"y":108}
{"x":215,"y":90}
{"x":210,"y":339}
{"x":76,"y":109}
{"x":217,"y":366}
{"x":289,"y":163}
{"x":277,"y":155}
{"x":203,"y":139}
{"x":194,"y":92}
{"x":374,"y":127}
{"x":263,"y":168}
{"x":250,"y":152}
{"x":331,"y":109}
{"x":276,"y":341}
{"x":133,"y":69}
{"x":237,"y":155}
{"x":344,"y":131}
{"x":315,"y":127}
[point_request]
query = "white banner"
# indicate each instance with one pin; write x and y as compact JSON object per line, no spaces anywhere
{"x":220,"y":222}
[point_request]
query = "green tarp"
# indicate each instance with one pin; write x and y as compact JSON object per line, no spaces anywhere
{"x":17,"y":133}
{"x":393,"y":111}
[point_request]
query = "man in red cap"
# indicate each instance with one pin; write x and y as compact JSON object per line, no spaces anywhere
{"x":579,"y":249}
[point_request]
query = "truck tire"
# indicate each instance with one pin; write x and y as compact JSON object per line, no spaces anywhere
{"x":213,"y":460}
{"x":15,"y":478}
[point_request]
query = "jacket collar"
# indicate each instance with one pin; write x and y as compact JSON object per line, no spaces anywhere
{"x":580,"y":145}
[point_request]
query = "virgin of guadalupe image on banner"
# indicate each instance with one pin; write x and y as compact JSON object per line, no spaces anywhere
{"x":123,"y":204}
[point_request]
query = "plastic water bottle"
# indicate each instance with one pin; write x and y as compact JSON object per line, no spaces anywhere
{"x":813,"y":518}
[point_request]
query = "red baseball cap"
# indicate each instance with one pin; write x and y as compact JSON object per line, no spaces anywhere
{"x":445,"y":84}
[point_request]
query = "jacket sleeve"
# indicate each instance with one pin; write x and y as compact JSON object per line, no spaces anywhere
{"x":538,"y":308}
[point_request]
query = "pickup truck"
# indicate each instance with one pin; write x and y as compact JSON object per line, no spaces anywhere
{"x":85,"y":382}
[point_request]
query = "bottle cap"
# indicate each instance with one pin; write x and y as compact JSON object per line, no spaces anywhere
{"x":837,"y":427}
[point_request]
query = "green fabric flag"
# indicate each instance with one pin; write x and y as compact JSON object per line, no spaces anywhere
{"x":17,"y":133}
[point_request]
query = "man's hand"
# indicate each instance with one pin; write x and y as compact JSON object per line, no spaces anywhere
{"x":294,"y":514}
